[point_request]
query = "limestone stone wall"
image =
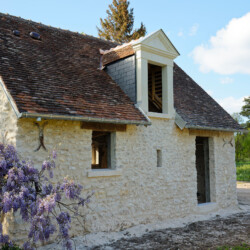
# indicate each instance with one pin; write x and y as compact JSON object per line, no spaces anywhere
{"x":143,"y":193}
{"x":225,"y":170}
{"x":8,"y":131}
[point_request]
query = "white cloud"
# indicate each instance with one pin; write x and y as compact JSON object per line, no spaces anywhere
{"x":180,"y":34}
{"x":194,"y":29}
{"x":226,"y":80}
{"x":228,"y":52}
{"x":231,"y":104}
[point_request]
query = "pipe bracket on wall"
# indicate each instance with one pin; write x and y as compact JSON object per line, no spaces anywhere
{"x":41,"y":135}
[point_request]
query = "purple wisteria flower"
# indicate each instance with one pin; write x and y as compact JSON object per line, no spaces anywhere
{"x":40,"y":202}
{"x":54,"y":154}
{"x":71,"y":189}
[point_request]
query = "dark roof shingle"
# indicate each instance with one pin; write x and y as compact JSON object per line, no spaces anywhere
{"x":191,"y":102}
{"x":196,"y":107}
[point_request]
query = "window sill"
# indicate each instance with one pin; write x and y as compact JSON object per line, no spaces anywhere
{"x":206,"y":204}
{"x":159,"y":115}
{"x":207,"y":207}
{"x":95,"y":173}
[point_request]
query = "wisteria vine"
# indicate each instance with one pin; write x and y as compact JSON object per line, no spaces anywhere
{"x":41,"y":203}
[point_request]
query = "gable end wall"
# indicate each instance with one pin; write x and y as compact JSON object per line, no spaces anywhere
{"x":8,"y":119}
{"x":8,"y":132}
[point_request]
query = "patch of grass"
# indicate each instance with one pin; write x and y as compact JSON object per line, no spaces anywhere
{"x":241,"y":247}
{"x":243,"y":172}
{"x":241,"y":163}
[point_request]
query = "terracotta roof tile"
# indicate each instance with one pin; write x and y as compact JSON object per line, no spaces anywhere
{"x":59,"y":74}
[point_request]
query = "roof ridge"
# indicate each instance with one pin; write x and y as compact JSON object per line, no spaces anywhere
{"x":17,"y":18}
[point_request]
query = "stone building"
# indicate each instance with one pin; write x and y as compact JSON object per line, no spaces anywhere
{"x":127,"y":122}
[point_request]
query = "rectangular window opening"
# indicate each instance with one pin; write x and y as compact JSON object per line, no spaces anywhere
{"x":202,"y":168}
{"x":101,"y":148}
{"x":159,"y":158}
{"x":154,"y":88}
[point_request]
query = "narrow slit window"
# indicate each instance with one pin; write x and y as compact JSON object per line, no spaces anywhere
{"x":154,"y":88}
{"x":202,"y":168}
{"x":159,"y":158}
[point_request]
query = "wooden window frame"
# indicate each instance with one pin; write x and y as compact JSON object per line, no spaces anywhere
{"x":104,"y":149}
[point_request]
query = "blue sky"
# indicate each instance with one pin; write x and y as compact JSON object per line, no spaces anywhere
{"x":213,"y":37}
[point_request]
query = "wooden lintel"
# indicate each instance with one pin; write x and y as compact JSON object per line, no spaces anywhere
{"x":206,"y":133}
{"x":104,"y":126}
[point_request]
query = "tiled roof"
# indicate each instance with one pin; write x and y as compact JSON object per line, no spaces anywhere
{"x":60,"y":74}
{"x":192,"y":103}
{"x":196,"y":107}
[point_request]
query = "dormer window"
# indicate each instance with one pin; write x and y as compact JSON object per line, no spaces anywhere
{"x":154,"y":88}
{"x":145,"y":73}
{"x":154,"y":74}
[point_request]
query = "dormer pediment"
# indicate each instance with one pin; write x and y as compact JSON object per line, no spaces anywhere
{"x":156,"y":43}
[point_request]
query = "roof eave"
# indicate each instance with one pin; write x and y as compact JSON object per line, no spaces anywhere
{"x":181,"y":123}
{"x":214,"y":128}
{"x":84,"y":119}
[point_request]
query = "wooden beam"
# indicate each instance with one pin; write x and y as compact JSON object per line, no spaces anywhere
{"x":153,"y":85}
{"x":104,"y":126}
{"x":206,"y":133}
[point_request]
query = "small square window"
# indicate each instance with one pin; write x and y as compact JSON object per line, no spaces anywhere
{"x":159,"y":158}
{"x":102,"y":150}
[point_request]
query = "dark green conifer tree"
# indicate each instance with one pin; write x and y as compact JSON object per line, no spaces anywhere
{"x":245,"y":110}
{"x":118,"y":26}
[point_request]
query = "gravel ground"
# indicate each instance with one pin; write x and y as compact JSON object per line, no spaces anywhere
{"x":220,"y":230}
{"x":232,"y":231}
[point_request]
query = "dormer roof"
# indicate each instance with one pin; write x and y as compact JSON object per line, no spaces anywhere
{"x":156,"y":42}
